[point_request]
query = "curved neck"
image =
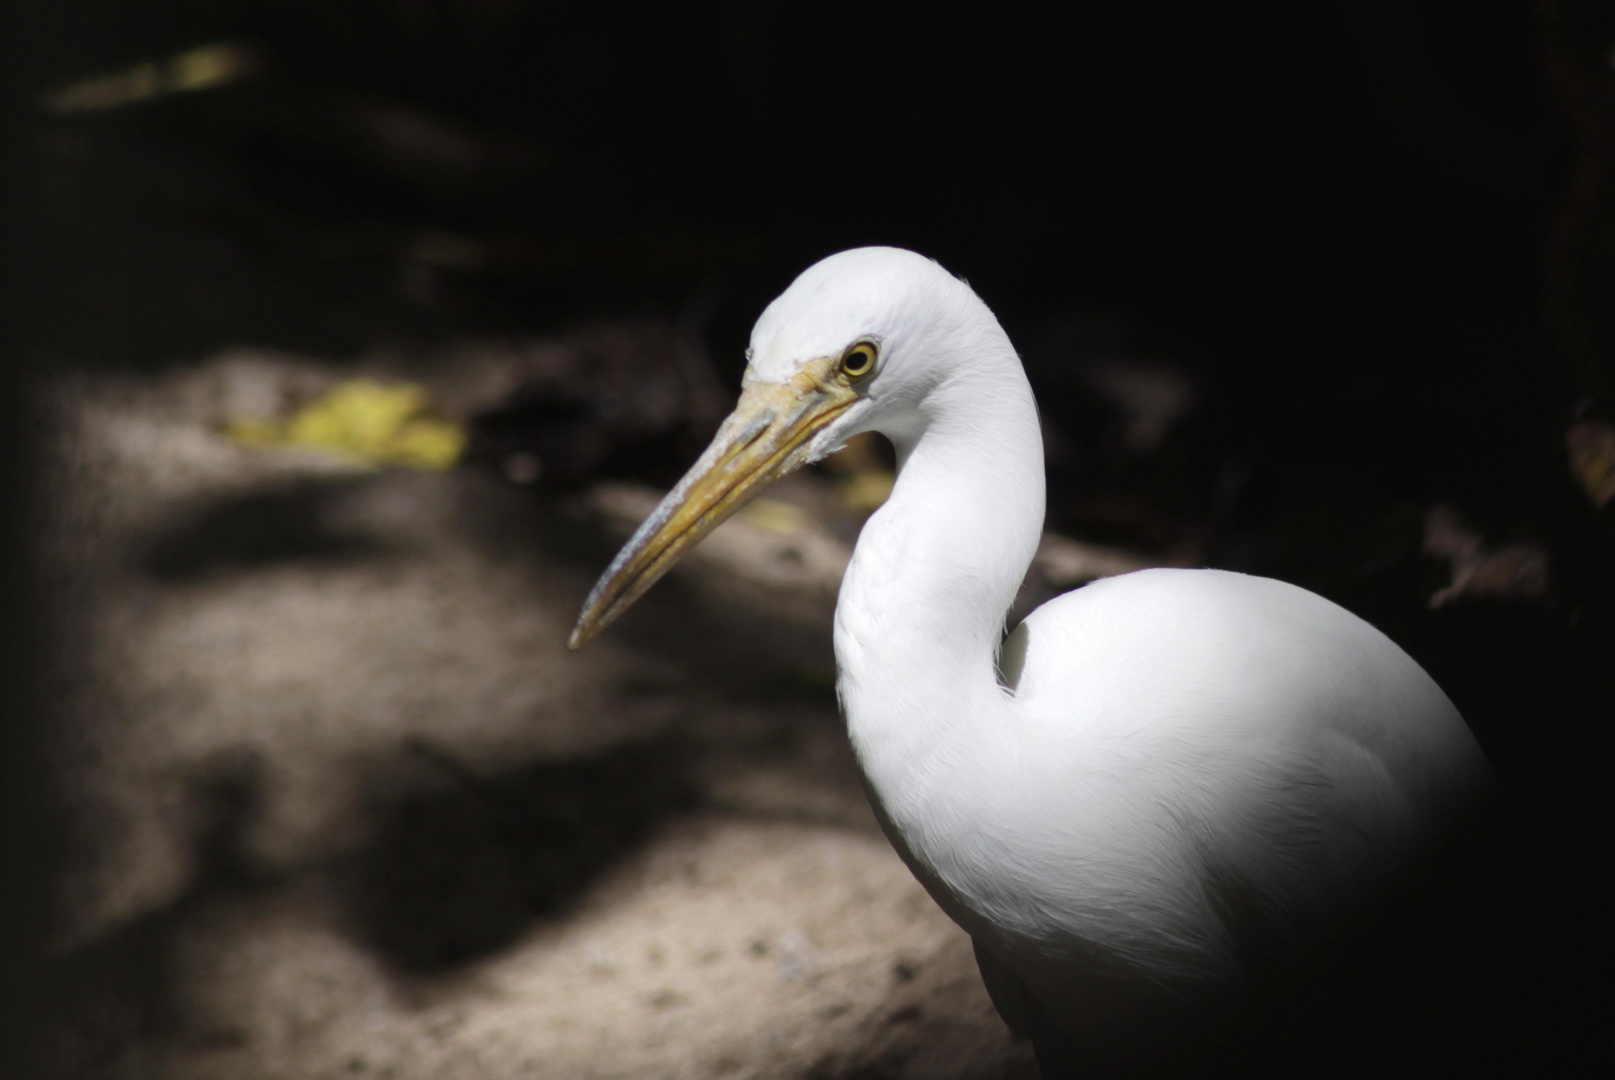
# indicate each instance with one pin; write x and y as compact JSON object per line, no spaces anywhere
{"x":921,"y":610}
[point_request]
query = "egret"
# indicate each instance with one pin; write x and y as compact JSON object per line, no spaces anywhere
{"x":1157,"y":783}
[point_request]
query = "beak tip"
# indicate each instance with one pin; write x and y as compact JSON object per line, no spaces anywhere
{"x":577,"y":638}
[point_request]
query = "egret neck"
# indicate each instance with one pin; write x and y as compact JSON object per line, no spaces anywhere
{"x":921,"y":611}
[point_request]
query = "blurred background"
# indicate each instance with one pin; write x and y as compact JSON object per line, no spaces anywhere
{"x":1319,"y":291}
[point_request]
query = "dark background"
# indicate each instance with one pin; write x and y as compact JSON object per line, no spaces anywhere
{"x":1348,"y":216}
{"x":1378,"y":234}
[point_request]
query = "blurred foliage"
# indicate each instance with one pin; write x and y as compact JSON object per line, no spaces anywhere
{"x":206,"y":67}
{"x":364,"y":421}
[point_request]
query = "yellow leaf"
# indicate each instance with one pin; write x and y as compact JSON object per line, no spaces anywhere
{"x":364,"y":420}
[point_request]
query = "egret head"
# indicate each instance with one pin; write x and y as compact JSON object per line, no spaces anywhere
{"x":855,"y":344}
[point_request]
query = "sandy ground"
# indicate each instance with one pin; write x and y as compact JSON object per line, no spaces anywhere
{"x":344,"y":806}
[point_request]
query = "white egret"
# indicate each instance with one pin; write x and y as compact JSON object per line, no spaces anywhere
{"x":1157,"y":782}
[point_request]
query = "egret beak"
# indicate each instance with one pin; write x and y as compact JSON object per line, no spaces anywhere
{"x":769,"y":434}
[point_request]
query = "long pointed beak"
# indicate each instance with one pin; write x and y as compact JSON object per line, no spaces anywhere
{"x":769,"y":434}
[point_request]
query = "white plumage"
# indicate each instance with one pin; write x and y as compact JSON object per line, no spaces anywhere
{"x":1165,"y":780}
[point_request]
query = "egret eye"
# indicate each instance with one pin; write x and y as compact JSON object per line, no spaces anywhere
{"x":858,"y":360}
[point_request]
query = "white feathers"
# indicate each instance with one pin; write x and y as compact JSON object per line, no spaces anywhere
{"x":1177,"y":762}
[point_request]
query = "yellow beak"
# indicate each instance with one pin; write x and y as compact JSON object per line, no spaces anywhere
{"x":767,"y":436}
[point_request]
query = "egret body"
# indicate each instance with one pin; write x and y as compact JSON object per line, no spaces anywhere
{"x":1157,"y":783}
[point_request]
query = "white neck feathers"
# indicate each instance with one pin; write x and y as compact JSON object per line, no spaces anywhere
{"x":921,"y":610}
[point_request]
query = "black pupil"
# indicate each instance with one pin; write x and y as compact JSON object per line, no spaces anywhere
{"x":857,"y":361}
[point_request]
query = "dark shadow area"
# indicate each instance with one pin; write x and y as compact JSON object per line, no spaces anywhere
{"x":285,"y":523}
{"x":637,"y":398}
{"x":105,"y":996}
{"x":567,"y":440}
{"x":1445,"y":975}
{"x":31,"y":844}
{"x":458,"y":872}
{"x":1472,"y":963}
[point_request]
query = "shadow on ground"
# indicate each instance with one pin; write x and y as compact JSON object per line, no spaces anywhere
{"x":241,"y":532}
{"x":459,"y":872}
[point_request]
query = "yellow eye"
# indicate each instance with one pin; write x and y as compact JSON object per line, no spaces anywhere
{"x":858,"y":360}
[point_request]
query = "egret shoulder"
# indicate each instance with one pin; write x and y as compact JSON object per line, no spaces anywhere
{"x":1211,"y":653}
{"x":1291,"y":746}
